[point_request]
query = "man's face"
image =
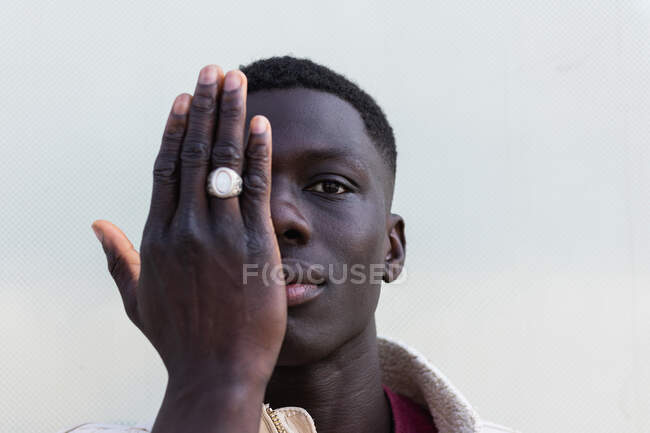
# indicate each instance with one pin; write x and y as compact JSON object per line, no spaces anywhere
{"x":330,"y":201}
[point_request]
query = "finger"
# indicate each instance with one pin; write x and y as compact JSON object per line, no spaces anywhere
{"x":256,"y":195}
{"x":197,"y":144}
{"x":164,"y":197}
{"x":123,"y":263}
{"x":228,"y":147}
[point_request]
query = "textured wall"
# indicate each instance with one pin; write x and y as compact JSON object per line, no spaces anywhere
{"x":523,"y":177}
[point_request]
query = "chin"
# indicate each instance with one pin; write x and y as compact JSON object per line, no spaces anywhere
{"x":303,"y":344}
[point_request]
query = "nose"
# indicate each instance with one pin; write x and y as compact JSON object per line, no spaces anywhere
{"x":289,"y":221}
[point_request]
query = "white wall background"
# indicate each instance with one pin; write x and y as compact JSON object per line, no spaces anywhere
{"x":523,"y":133}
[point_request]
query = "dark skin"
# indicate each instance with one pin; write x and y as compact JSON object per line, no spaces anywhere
{"x":232,"y":345}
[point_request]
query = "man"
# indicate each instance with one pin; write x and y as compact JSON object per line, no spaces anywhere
{"x":233,"y":335}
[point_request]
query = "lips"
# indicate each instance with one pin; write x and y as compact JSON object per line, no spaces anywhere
{"x":304,"y":281}
{"x":300,"y":293}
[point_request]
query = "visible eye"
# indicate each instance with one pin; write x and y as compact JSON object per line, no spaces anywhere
{"x":328,"y":187}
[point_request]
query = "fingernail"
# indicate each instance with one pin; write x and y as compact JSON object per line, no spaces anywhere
{"x":98,"y":233}
{"x":181,"y":104}
{"x":233,"y":81}
{"x":258,"y":125}
{"x":208,"y":75}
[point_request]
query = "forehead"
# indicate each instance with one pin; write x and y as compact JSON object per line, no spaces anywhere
{"x":304,"y":120}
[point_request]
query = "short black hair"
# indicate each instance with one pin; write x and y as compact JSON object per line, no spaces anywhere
{"x":282,"y":72}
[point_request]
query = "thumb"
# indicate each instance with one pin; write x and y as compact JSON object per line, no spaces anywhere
{"x":123,"y":263}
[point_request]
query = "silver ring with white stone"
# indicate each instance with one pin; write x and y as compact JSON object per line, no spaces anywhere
{"x":224,"y":182}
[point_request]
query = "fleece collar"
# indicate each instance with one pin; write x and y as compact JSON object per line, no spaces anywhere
{"x":407,"y":372}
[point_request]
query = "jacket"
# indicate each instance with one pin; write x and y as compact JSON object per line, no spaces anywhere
{"x":404,"y":370}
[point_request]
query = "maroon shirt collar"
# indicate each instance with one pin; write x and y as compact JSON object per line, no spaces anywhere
{"x":408,"y":416}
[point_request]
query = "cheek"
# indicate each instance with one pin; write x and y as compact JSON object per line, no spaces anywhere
{"x":358,"y":248}
{"x":359,"y":240}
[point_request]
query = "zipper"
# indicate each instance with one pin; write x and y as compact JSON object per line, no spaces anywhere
{"x":275,"y":419}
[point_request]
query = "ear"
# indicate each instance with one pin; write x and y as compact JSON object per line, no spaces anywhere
{"x":396,"y":249}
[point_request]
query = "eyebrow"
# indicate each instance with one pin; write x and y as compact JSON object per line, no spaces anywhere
{"x":329,"y":153}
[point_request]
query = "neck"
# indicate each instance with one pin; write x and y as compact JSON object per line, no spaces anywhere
{"x":341,"y":392}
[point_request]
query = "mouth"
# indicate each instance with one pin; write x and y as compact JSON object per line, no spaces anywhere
{"x":303,"y":282}
{"x":299,"y":293}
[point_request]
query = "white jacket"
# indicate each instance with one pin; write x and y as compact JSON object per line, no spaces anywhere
{"x":404,"y":371}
